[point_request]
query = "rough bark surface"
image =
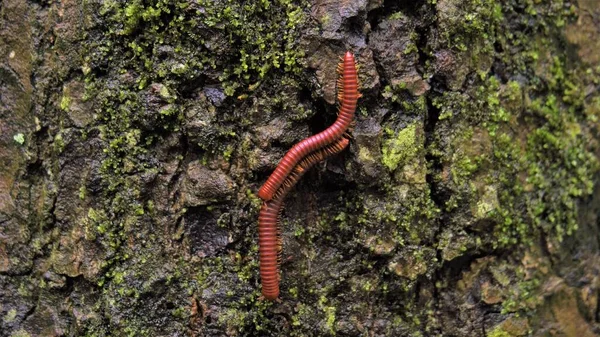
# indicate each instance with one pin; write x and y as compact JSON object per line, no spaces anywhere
{"x":135,"y":134}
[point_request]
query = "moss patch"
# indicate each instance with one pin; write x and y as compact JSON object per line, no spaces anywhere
{"x":152,"y":70}
{"x":402,"y":147}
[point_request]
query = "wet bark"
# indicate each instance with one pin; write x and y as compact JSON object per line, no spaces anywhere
{"x":134,"y":136}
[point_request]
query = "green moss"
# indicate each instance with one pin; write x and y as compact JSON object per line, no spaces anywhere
{"x":59,"y":143}
{"x":462,"y":168}
{"x":65,"y":102}
{"x":329,"y":312}
{"x":19,"y":138}
{"x":330,"y":319}
{"x":10,"y":316}
{"x":400,"y":94}
{"x":20,"y":333}
{"x":228,"y":152}
{"x":411,"y":48}
{"x":469,"y":26}
{"x":365,"y":155}
{"x":82,"y":192}
{"x":397,"y":16}
{"x":498,"y":332}
{"x":520,"y":148}
{"x":488,"y":203}
{"x":534,"y":177}
{"x":400,"y":148}
{"x":265,"y":35}
{"x":302,"y":310}
{"x":557,"y":164}
{"x":553,"y":161}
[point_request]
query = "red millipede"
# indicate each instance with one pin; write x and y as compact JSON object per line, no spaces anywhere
{"x":348,"y":94}
{"x":269,"y":238}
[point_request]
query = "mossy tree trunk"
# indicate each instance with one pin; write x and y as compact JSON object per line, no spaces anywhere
{"x":135,"y":134}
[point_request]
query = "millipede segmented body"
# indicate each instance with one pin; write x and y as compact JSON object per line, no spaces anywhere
{"x":348,"y":92}
{"x":269,"y":247}
{"x":269,"y":233}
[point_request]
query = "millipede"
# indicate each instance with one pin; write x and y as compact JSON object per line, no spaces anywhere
{"x":348,"y":95}
{"x":299,"y":159}
{"x":269,"y":233}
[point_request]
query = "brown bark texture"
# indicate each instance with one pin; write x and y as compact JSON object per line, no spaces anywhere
{"x":134,"y":136}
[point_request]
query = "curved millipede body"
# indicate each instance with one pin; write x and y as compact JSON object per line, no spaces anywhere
{"x":269,"y":239}
{"x":348,"y":92}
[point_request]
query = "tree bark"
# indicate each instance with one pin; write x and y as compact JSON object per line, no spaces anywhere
{"x":135,"y":135}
